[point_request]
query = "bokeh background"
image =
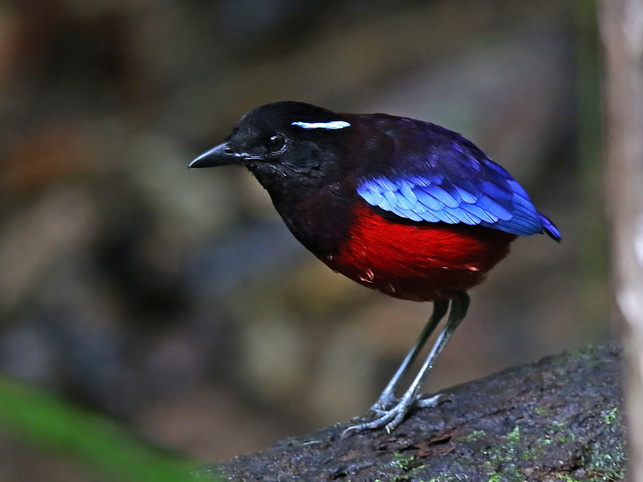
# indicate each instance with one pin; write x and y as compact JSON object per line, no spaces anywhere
{"x":175,"y":301}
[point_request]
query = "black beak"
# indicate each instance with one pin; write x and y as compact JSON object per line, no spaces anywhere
{"x":221,"y":155}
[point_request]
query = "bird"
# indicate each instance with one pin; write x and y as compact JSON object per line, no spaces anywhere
{"x":403,"y":206}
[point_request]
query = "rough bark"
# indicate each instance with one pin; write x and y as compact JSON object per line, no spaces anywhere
{"x":557,"y":419}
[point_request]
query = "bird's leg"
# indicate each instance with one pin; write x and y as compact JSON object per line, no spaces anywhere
{"x":392,"y":417}
{"x":387,"y":397}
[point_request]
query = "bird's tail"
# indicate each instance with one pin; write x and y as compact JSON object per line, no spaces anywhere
{"x":549,"y":228}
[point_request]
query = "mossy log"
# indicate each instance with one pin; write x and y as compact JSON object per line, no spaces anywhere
{"x":557,"y":419}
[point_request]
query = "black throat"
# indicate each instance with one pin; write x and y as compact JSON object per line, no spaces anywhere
{"x":318,"y":212}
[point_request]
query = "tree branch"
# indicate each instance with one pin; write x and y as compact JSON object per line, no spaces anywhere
{"x":558,"y":417}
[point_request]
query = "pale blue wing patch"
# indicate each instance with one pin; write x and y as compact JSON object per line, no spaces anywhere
{"x":499,"y":203}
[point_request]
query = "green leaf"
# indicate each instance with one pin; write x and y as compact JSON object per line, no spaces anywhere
{"x":86,"y":437}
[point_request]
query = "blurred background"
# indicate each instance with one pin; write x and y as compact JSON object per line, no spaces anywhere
{"x":175,"y":301}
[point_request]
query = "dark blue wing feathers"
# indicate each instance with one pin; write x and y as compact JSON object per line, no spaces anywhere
{"x":455,"y":184}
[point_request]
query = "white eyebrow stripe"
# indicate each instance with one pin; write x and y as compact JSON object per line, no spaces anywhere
{"x":332,"y":125}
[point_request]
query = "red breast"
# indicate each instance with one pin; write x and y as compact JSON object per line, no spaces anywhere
{"x":417,"y":261}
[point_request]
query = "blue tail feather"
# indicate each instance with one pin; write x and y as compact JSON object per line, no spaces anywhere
{"x":550,"y":228}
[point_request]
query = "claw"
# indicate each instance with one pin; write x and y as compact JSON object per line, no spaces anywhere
{"x":431,"y":402}
{"x":351,"y":430}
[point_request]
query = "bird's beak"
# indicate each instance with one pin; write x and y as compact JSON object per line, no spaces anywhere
{"x":221,"y":155}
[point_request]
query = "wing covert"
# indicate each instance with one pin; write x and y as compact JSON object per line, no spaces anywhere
{"x":490,"y":198}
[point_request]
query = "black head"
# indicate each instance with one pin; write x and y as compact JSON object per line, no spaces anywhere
{"x":282,"y":140}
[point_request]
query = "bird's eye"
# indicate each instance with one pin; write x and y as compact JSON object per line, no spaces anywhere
{"x":275,"y":142}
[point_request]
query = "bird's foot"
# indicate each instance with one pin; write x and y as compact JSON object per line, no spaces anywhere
{"x":389,"y":417}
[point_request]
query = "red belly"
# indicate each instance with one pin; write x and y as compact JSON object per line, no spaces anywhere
{"x":417,"y":261}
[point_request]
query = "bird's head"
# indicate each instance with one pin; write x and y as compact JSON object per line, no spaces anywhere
{"x":281,"y":141}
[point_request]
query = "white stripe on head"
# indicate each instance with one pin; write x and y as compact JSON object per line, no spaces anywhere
{"x":332,"y":125}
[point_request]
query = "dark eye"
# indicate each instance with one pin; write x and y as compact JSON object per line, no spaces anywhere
{"x":275,"y":142}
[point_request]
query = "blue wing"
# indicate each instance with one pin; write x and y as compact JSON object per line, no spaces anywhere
{"x":457,"y":185}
